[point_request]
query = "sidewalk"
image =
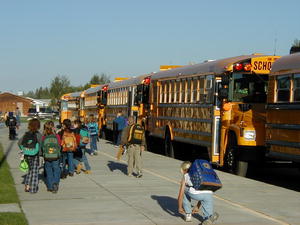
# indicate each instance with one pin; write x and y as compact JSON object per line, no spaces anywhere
{"x":108,"y":196}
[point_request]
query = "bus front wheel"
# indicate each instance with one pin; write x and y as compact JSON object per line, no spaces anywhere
{"x":233,"y":165}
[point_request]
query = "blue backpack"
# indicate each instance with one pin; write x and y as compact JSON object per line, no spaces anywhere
{"x":203,"y":176}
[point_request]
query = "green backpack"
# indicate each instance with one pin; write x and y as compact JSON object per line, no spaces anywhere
{"x":51,"y":148}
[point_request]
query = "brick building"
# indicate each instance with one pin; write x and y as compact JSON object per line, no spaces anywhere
{"x":9,"y":102}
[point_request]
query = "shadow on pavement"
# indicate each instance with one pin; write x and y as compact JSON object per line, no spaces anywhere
{"x":168,"y":204}
{"x":117,"y":166}
{"x":7,"y":152}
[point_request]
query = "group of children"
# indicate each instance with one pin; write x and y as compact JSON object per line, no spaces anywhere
{"x":63,"y":151}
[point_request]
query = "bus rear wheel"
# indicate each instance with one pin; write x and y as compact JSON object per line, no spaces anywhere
{"x":169,"y":145}
{"x":232,"y":164}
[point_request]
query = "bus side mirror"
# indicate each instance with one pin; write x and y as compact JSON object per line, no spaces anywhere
{"x":223,"y":93}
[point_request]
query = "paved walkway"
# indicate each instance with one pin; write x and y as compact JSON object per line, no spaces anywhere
{"x":108,"y":196}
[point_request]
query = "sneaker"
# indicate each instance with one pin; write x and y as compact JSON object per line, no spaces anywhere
{"x":188,"y":217}
{"x":207,"y":222}
{"x":71,"y":174}
{"x":214,"y":217}
{"x":78,"y":169}
{"x":87,"y":172}
{"x":139,"y":175}
{"x":55,"y":188}
{"x":95,"y":153}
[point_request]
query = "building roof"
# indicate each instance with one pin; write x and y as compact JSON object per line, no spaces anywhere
{"x":16,"y":96}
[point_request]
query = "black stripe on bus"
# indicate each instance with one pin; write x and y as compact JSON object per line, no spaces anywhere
{"x":283,"y":106}
{"x":181,"y":105}
{"x":284,"y":156}
{"x":192,"y":132}
{"x":116,"y":106}
{"x":193,"y":141}
{"x":184,"y":119}
{"x":284,"y":143}
{"x":283,"y":126}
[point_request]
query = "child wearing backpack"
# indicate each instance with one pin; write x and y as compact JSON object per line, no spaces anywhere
{"x":188,"y":192}
{"x":93,"y":131}
{"x":30,"y":145}
{"x":51,"y":149}
{"x":69,"y":146}
{"x":84,"y":139}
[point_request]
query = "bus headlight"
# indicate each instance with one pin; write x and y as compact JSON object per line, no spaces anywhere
{"x":250,"y":135}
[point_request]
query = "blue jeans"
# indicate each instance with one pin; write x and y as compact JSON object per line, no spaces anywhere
{"x":83,"y":159}
{"x":68,"y":156}
{"x":52,"y":173}
{"x":206,"y":202}
{"x":93,"y":143}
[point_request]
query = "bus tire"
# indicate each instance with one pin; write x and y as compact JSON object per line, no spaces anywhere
{"x":232,"y":164}
{"x":169,"y":145}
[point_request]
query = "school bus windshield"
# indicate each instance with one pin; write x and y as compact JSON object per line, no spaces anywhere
{"x":248,"y":88}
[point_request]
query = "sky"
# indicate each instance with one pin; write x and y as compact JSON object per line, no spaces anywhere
{"x":42,"y":39}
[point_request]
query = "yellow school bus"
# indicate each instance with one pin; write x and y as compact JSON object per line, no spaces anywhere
{"x":128,"y":97}
{"x":94,"y":102}
{"x":218,"y":105}
{"x":69,"y":106}
{"x":283,"y":109}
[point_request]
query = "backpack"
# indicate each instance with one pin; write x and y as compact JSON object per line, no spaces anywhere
{"x":203,"y":176}
{"x":12,"y":122}
{"x":136,"y":134}
{"x":69,"y":142}
{"x":30,"y":145}
{"x":84,"y":137}
{"x":51,"y":147}
{"x":92,"y":129}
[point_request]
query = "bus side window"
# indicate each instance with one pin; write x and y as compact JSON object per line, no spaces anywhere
{"x":202,"y":89}
{"x":283,"y":88}
{"x":194,"y":89}
{"x":177,"y":91}
{"x":172,"y":91}
{"x":209,"y":89}
{"x":188,"y":90}
{"x":296,"y":82}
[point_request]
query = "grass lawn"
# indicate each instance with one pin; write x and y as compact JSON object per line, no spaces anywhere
{"x":8,"y":194}
{"x":13,"y":219}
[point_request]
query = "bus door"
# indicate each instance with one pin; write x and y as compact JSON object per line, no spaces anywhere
{"x":216,"y":122}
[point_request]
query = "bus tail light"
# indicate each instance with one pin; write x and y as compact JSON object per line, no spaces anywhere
{"x":146,"y":80}
{"x":105,"y":88}
{"x":247,"y":67}
{"x":238,"y":67}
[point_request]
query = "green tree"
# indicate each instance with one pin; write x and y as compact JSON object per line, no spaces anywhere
{"x":100,"y":79}
{"x":296,"y":43}
{"x":59,"y":85}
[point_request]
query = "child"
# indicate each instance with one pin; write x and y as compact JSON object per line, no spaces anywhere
{"x":204,"y":198}
{"x":93,"y":130}
{"x":84,"y":140}
{"x":51,"y":153}
{"x":11,"y":123}
{"x":30,"y":144}
{"x":69,"y":145}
